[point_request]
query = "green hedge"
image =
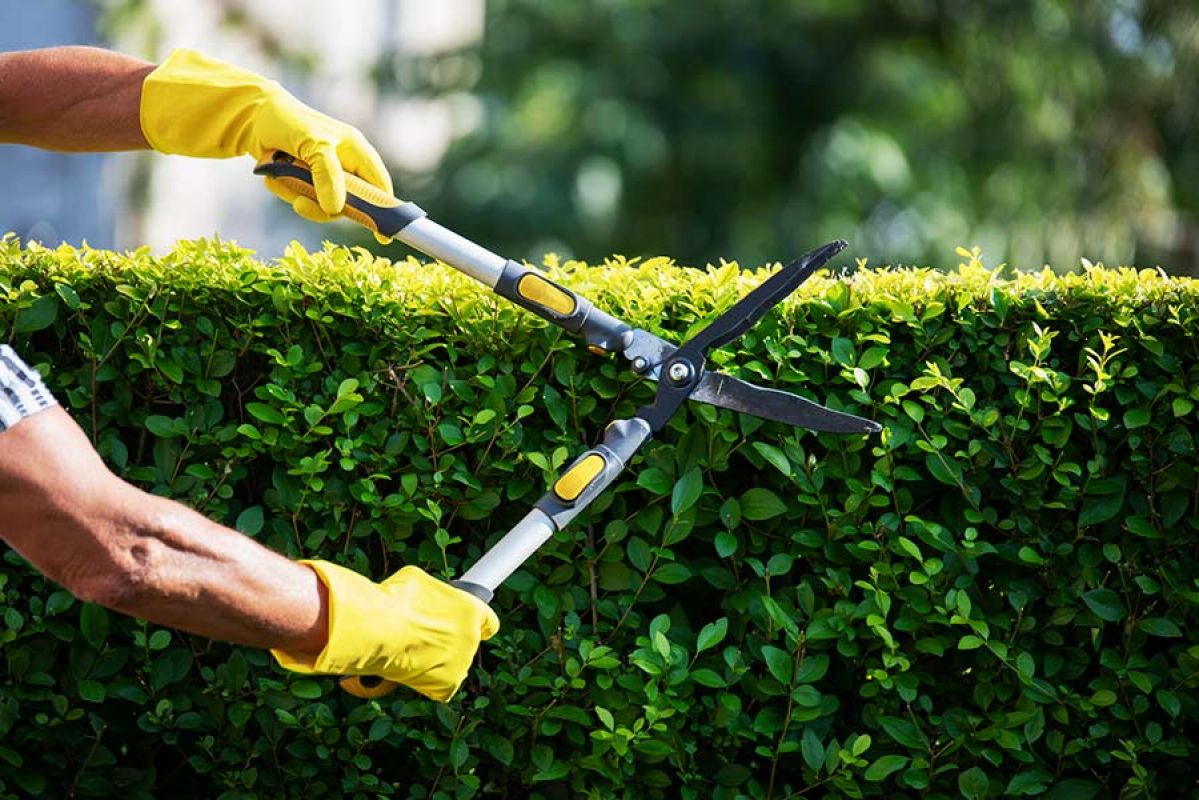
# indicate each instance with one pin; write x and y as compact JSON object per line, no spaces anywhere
{"x":993,"y":598}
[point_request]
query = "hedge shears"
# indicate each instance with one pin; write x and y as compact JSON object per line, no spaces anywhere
{"x":680,"y":370}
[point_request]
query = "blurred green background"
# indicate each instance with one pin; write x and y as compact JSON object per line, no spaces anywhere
{"x":1042,"y":131}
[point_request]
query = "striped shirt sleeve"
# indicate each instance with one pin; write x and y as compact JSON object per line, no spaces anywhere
{"x":22,"y":392}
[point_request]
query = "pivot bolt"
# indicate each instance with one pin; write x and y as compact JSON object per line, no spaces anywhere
{"x":679,"y":372}
{"x":640,"y":364}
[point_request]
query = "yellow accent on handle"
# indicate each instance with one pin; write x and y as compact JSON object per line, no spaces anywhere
{"x":378,"y":687}
{"x":354,"y":186}
{"x":306,"y":189}
{"x":368,"y":192}
{"x":579,"y":477}
{"x":537,"y":289}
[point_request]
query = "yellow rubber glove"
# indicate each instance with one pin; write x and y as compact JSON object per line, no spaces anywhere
{"x":411,"y":628}
{"x":198,"y":106}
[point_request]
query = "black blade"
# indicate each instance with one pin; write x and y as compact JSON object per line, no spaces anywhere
{"x":749,"y":309}
{"x":721,"y":390}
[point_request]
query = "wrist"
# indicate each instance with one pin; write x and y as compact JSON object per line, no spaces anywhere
{"x":312,"y":634}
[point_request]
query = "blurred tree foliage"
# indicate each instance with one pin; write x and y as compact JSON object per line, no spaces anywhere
{"x":1043,"y":130}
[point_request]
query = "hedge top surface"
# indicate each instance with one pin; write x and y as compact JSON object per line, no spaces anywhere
{"x":661,"y":285}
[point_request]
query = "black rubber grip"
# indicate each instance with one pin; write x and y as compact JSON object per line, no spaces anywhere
{"x":388,"y":217}
{"x":481,"y":592}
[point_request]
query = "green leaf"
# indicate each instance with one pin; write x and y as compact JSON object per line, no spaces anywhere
{"x":239,"y":713}
{"x":711,"y":635}
{"x":812,"y":749}
{"x":973,"y":784}
{"x":92,"y":691}
{"x":1105,"y":604}
{"x":605,"y":718}
{"x":686,"y":491}
{"x":909,"y":547}
{"x":639,"y":553}
{"x":775,"y":457}
{"x":813,"y":668}
{"x":873,"y":357}
{"x":160,"y":426}
{"x":170,"y":368}
{"x":779,"y":616}
{"x":903,"y":732}
{"x":39,"y":315}
{"x":1027,"y":782}
{"x":500,"y":748}
{"x":59,"y":602}
{"x":1026,"y":665}
{"x":451,"y":433}
{"x":1160,"y":626}
{"x":170,"y":667}
{"x":655,"y":480}
{"x":1169,"y":702}
{"x":944,"y":468}
{"x":759,"y":504}
{"x":93,"y":623}
{"x":779,"y":565}
{"x":779,"y":662}
{"x":842,"y":350}
{"x":1104,"y":500}
{"x":1143,"y":527}
{"x":250,"y":521}
{"x":884,"y":766}
{"x":556,"y":406}
{"x":1137,"y":418}
{"x":459,"y":753}
{"x":709,"y":678}
{"x":730,"y":513}
{"x":266,"y":413}
{"x":672,"y":573}
{"x":1030,"y":556}
{"x":1099,"y":509}
{"x":726,"y":544}
{"x":70,"y":297}
{"x":306,"y":689}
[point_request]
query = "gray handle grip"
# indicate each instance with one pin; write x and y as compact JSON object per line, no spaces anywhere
{"x":582,"y":481}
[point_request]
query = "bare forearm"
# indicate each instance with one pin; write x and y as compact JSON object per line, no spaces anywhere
{"x":147,"y":556}
{"x":72,"y":98}
{"x":188,"y":572}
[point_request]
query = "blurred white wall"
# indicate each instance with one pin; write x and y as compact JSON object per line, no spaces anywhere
{"x":125,"y":201}
{"x":43,"y":195}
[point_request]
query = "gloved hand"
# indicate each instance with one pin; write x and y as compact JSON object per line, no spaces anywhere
{"x":198,"y":106}
{"x":411,"y":628}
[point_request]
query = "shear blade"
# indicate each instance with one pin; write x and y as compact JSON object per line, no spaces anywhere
{"x":746,"y":312}
{"x":718,"y":389}
{"x":732,"y":393}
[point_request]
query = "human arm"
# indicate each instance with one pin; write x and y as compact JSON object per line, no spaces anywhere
{"x":111,"y":543}
{"x":72,"y":98}
{"x":88,"y":99}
